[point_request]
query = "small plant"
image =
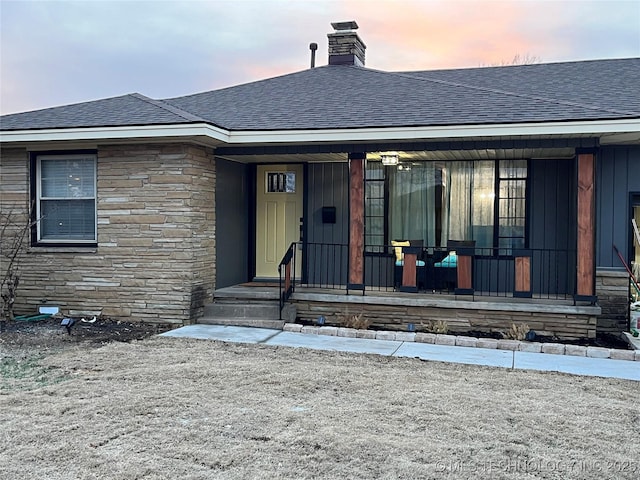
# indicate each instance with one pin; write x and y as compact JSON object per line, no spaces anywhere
{"x":14,"y":231}
{"x":354,"y":321}
{"x":435,"y":326}
{"x":517,"y":331}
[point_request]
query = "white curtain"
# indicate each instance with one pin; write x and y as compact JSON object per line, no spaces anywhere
{"x":469,"y":202}
{"x":458,"y":200}
{"x":412,"y":203}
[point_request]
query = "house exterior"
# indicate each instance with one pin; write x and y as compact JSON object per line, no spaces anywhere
{"x":142,"y":208}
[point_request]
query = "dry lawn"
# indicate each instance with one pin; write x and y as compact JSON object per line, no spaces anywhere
{"x":167,"y":408}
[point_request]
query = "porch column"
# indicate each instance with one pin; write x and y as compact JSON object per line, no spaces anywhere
{"x":356,"y":221}
{"x":522,"y":274}
{"x":586,"y":251}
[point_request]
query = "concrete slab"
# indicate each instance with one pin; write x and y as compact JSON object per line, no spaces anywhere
{"x":594,"y":367}
{"x":224,"y":333}
{"x":466,"y":355}
{"x":598,"y":367}
{"x":340,"y":344}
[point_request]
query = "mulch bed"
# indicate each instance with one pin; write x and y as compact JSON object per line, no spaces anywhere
{"x":50,"y":334}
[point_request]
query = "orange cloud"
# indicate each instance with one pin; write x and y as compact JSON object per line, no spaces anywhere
{"x":442,"y":34}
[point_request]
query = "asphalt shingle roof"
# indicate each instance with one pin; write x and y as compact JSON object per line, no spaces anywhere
{"x":331,"y":97}
{"x":125,"y":110}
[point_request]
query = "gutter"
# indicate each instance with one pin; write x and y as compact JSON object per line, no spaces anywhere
{"x":610,"y":131}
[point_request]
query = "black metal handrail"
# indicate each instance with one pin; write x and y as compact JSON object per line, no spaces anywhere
{"x":552,"y":271}
{"x":288,"y":264}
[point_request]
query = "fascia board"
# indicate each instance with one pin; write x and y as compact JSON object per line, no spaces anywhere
{"x":597,"y":127}
{"x":115,"y":133}
{"x":262,"y":137}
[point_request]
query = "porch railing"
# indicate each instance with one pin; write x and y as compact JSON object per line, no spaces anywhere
{"x":536,"y":273}
{"x":287,"y":275}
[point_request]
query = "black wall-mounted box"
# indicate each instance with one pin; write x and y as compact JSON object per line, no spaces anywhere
{"x":328,"y":214}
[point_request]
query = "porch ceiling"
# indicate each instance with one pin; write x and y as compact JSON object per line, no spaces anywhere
{"x":411,"y":156}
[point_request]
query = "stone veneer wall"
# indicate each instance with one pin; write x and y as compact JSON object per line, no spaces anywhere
{"x":397,"y":317}
{"x":155,"y":259}
{"x":612,"y":289}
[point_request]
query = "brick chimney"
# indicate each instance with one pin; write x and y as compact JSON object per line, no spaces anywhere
{"x":345,"y":46}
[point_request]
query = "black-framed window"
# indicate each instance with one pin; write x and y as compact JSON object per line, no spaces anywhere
{"x":65,"y":198}
{"x":375,"y":207}
{"x":512,"y":203}
{"x":481,"y":200}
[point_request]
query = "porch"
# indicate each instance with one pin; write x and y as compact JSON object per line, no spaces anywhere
{"x":530,"y":287}
{"x":389,"y":310}
{"x":471,"y":289}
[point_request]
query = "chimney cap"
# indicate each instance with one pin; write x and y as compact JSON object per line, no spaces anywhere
{"x":344,"y":26}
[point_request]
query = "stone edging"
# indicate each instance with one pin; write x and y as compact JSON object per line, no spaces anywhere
{"x":462,"y":341}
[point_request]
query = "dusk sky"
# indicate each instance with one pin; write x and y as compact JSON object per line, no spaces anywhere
{"x":58,"y":52}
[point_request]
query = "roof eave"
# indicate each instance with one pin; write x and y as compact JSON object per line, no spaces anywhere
{"x":596,"y":128}
{"x":206,"y":133}
{"x":610,"y":131}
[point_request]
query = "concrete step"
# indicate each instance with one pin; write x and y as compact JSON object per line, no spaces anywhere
{"x":243,"y":322}
{"x":248,"y":293}
{"x":243,"y":311}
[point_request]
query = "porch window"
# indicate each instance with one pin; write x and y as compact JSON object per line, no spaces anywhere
{"x":435,"y":202}
{"x":512,"y":203}
{"x":375,"y":208}
{"x":66,"y":198}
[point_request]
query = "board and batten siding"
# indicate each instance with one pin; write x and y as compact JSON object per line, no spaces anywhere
{"x":232,"y":211}
{"x":617,"y":175}
{"x":552,"y":225}
{"x":328,"y":186}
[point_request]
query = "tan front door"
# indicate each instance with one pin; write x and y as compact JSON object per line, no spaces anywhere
{"x":278,"y":211}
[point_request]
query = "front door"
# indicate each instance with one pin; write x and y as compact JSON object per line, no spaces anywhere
{"x":278,"y":213}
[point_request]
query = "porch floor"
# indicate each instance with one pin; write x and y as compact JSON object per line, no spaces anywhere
{"x":258,"y":290}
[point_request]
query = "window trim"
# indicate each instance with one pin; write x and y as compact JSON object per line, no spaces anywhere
{"x":35,"y":194}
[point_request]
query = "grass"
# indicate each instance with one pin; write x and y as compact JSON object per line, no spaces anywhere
{"x":26,"y":373}
{"x":183,"y":408}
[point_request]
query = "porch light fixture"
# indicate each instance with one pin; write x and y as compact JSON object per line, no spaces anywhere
{"x":389,"y":158}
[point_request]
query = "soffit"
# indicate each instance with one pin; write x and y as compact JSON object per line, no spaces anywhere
{"x":412,"y":156}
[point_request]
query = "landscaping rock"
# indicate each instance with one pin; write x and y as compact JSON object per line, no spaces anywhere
{"x":553,"y":348}
{"x":505,"y":344}
{"x":487,"y":343}
{"x":405,"y":336}
{"x":466,"y":341}
{"x":575,"y":350}
{"x":445,"y":339}
{"x":347,"y":332}
{"x":598,"y":352}
{"x":292,"y":327}
{"x":385,"y":336}
{"x":618,"y":354}
{"x":532,"y":347}
{"x":368,"y":334}
{"x":330,"y":331}
{"x":425,"y":337}
{"x":310,"y":329}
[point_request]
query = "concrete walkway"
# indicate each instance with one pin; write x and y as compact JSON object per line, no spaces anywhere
{"x":598,"y":367}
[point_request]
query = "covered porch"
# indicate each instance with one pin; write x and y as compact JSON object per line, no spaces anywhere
{"x":523,"y":251}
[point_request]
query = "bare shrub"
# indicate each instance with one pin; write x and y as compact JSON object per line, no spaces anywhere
{"x":13,"y":230}
{"x":517,"y":331}
{"x":435,"y":326}
{"x":358,"y":321}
